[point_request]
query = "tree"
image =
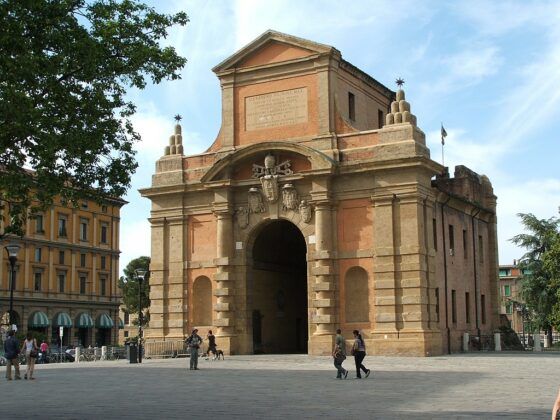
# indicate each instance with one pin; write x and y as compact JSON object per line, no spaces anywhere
{"x":129,"y":285}
{"x":539,"y":287}
{"x":66,"y":66}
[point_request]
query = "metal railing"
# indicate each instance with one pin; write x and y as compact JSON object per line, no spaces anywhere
{"x":156,"y":349}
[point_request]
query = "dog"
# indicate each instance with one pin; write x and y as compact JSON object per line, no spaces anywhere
{"x":219,"y":353}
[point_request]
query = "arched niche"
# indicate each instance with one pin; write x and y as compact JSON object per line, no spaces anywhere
{"x":356,"y":295}
{"x":202,"y":301}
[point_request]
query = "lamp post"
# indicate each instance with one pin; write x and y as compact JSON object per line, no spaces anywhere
{"x":12,"y":250}
{"x":140,"y":275}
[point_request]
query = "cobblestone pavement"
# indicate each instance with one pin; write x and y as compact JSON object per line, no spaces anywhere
{"x":481,"y":386}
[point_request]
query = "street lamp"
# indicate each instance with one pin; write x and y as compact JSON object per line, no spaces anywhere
{"x":140,"y":275}
{"x":12,"y":250}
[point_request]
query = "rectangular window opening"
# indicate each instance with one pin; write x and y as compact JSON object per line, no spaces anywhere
{"x":483,"y":308}
{"x":451,"y":240}
{"x":351,"y":106}
{"x":454,"y":306}
{"x":467,"y":307}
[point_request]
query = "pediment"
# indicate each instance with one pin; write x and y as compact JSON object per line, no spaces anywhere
{"x":272,"y":47}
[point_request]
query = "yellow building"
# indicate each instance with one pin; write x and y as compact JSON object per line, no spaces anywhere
{"x":66,"y":274}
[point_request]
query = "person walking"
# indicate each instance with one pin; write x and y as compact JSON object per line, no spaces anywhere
{"x":30,"y":347}
{"x":556,"y":408}
{"x":211,"y":345}
{"x":44,"y":351}
{"x":359,"y":352}
{"x":193,"y":343}
{"x":11,"y":353}
{"x":339,"y":355}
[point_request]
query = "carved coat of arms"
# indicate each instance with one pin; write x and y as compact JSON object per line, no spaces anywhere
{"x":256,"y":204}
{"x":289,"y":197}
{"x":242,"y":217}
{"x":269,"y":173}
{"x":305,"y":211}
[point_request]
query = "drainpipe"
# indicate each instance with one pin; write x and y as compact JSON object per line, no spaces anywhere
{"x":475,"y":271}
{"x":445,"y":277}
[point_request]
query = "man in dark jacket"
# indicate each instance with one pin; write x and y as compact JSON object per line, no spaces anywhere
{"x":11,"y":352}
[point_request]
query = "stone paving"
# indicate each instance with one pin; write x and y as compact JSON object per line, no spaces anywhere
{"x":478,"y":385}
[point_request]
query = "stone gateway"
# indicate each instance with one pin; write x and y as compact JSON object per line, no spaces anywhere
{"x":318,"y":207}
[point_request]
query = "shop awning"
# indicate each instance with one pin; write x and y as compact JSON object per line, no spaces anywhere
{"x":104,"y":321}
{"x":84,"y":321}
{"x":62,"y":319}
{"x":38,"y":320}
{"x":121,"y":324}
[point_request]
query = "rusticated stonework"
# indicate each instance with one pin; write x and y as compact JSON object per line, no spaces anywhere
{"x":304,"y":216}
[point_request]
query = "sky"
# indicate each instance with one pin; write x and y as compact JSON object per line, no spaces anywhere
{"x":488,"y":71}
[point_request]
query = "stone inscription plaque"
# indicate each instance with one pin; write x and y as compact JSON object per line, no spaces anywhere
{"x":276,"y":109}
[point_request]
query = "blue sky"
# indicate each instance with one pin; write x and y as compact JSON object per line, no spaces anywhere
{"x":489,"y":70}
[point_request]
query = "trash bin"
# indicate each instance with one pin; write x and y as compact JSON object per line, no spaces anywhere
{"x":133,"y":353}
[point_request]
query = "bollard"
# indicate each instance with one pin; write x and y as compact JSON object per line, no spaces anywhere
{"x":537,"y":341}
{"x":465,"y":342}
{"x":77,"y":352}
{"x":497,"y":342}
{"x":103,"y":352}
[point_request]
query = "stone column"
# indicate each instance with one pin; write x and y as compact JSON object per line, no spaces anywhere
{"x":385,"y":320}
{"x":224,"y":287}
{"x":324,"y":303}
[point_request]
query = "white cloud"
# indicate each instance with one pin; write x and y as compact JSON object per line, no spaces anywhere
{"x":135,"y":241}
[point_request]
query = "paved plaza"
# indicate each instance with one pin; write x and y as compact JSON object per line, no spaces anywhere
{"x":481,"y":386}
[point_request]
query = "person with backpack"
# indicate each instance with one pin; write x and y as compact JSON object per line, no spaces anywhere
{"x":359,"y":352}
{"x":193,"y":343}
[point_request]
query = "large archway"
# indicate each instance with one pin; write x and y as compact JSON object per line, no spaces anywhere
{"x":277,"y":289}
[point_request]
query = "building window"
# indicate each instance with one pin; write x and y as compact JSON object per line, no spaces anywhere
{"x":483,"y":308}
{"x":454,"y":306}
{"x":465,"y":254}
{"x":82,"y":260}
{"x":507,"y":290}
{"x":39,"y":224}
{"x":125,"y":334}
{"x":104,"y":209}
{"x":480,"y":249}
{"x":437,"y":304}
{"x":379,"y":118}
{"x":468,"y":307}
{"x":103,"y":262}
{"x":62,"y":227}
{"x":83,"y":229}
{"x":351,"y":106}
{"x":509,"y":308}
{"x":126,"y":318}
{"x":84,"y":204}
{"x":102,"y":286}
{"x":83,"y":283}
{"x":37,"y":281}
{"x":104,"y":233}
{"x":61,"y":282}
{"x":451,"y":240}
{"x":61,"y":257}
{"x":434,"y":232}
{"x":38,"y":254}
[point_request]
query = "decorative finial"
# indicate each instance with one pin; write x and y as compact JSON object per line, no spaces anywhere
{"x":178,"y":118}
{"x":399,"y":82}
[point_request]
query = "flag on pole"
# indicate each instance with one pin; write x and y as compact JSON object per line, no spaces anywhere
{"x":443,"y":135}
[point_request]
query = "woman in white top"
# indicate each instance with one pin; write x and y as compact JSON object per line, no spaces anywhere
{"x":29,"y":345}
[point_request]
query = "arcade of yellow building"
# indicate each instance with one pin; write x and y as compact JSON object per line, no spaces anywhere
{"x":318,"y":207}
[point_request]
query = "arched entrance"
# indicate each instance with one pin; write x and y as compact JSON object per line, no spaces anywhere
{"x":277,"y":289}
